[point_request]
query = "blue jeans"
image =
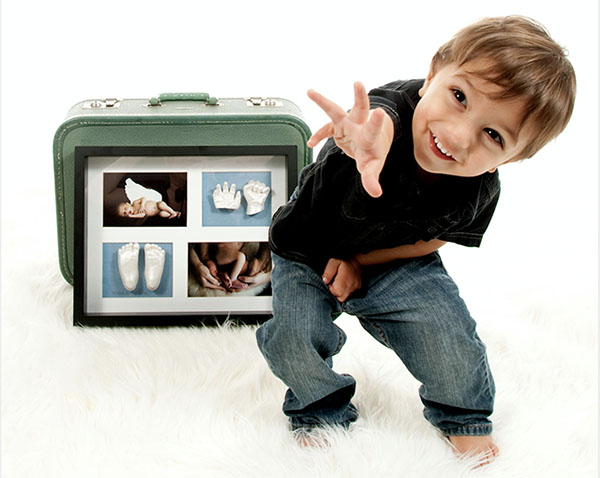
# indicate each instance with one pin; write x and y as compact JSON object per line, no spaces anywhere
{"x":411,"y":306}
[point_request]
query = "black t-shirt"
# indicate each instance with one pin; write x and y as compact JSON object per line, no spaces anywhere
{"x":331,"y":215}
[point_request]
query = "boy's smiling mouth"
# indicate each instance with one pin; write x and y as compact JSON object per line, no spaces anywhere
{"x":438,"y":148}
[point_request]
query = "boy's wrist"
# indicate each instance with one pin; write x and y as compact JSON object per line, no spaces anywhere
{"x":355,"y":262}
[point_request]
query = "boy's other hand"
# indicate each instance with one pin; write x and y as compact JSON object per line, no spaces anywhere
{"x":343,"y":277}
{"x":362,"y":134}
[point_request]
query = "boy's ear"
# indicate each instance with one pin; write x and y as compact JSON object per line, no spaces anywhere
{"x":430,"y":76}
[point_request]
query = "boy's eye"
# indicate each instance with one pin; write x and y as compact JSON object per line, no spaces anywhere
{"x":459,"y":95}
{"x":492,"y":133}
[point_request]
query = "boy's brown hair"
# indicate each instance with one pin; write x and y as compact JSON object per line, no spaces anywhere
{"x":526,"y":63}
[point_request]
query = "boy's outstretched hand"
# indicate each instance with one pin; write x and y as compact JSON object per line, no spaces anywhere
{"x":362,"y":134}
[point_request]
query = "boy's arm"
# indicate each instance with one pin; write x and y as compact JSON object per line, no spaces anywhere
{"x":381,"y":256}
{"x":363,"y":134}
{"x":343,"y":277}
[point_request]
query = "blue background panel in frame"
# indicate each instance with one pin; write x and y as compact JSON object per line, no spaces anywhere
{"x":211,"y":216}
{"x":111,"y":279}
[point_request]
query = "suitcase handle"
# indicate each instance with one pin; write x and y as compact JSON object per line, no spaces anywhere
{"x":204,"y":97}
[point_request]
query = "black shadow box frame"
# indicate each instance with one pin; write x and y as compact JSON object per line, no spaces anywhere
{"x":100,"y":297}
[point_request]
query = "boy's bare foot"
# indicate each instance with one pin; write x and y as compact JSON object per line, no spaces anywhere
{"x":480,"y":446}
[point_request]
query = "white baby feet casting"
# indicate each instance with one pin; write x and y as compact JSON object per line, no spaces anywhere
{"x":155,"y":263}
{"x":128,"y":265}
{"x":227,"y":198}
{"x":255,"y":194}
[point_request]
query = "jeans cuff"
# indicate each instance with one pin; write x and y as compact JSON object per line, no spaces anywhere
{"x":309,"y":428}
{"x":344,"y":418}
{"x":469,"y":430}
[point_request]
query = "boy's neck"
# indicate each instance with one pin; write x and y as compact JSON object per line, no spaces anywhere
{"x":427,"y":178}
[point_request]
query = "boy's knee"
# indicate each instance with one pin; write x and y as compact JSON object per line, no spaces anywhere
{"x":263,"y":337}
{"x":276,"y":337}
{"x":299,"y":338}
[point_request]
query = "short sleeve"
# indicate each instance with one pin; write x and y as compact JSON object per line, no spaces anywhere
{"x":469,"y":231}
{"x":390,"y":108}
{"x":395,"y":98}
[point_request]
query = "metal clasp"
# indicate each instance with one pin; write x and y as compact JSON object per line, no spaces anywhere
{"x":263,"y":102}
{"x":105,"y":103}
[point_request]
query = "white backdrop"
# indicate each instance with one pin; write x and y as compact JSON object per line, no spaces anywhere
{"x":56,"y":53}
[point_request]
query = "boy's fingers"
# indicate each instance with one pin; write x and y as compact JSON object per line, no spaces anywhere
{"x":323,"y":133}
{"x":360,"y":110}
{"x":335,"y":112}
{"x":340,"y":294}
{"x":372,"y":186}
{"x":370,"y":181}
{"x":330,"y":271}
{"x":374,"y":125}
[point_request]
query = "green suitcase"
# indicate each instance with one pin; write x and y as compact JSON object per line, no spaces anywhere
{"x":184,"y":151}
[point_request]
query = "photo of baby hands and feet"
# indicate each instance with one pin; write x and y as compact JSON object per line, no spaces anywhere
{"x":229,"y":267}
{"x":229,"y":262}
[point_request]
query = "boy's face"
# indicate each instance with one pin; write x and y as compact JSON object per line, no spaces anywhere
{"x":459,"y":129}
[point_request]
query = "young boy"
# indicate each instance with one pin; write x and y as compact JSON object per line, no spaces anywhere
{"x":409,"y":168}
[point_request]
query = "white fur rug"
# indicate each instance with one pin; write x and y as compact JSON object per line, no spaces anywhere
{"x":149,"y":403}
{"x":183,"y":402}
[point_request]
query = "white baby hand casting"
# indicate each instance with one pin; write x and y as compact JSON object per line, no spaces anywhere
{"x":256,"y":194}
{"x":227,"y":198}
